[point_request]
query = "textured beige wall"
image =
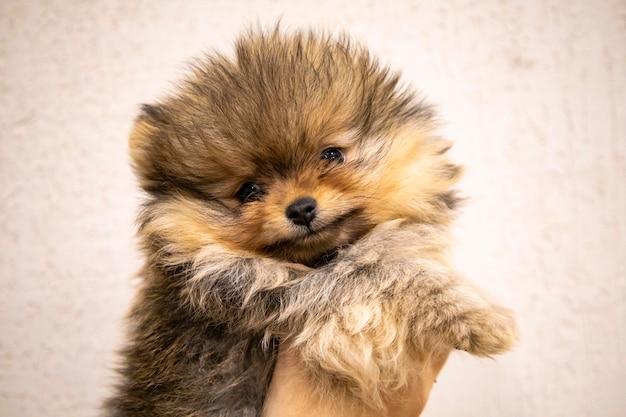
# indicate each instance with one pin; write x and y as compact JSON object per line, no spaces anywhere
{"x":534,"y":93}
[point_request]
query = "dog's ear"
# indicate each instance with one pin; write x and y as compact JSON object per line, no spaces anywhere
{"x":154,"y":113}
{"x":148,"y":145}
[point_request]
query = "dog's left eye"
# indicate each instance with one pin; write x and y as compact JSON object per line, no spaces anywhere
{"x":333,"y":154}
{"x":249,"y":192}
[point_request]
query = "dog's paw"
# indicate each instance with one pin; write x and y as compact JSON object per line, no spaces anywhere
{"x":485,"y":331}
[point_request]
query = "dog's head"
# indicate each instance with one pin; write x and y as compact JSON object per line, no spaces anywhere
{"x":292,"y":148}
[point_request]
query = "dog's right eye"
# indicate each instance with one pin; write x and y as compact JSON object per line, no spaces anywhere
{"x":249,"y":192}
{"x":333,"y":155}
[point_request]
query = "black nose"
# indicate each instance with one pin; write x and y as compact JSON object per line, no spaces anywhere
{"x":302,"y":211}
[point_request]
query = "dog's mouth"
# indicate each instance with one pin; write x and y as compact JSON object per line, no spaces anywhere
{"x":316,"y":229}
{"x":317,"y":245}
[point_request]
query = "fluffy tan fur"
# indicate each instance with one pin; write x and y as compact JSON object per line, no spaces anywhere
{"x":362,"y":290}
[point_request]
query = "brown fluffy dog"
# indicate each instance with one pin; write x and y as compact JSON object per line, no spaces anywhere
{"x":295,"y":193}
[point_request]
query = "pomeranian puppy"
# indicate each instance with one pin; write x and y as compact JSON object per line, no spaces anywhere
{"x":295,"y":192}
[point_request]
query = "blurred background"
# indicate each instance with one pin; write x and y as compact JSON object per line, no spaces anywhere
{"x":532,"y":92}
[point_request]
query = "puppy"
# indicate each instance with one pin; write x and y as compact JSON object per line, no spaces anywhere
{"x":295,"y":193}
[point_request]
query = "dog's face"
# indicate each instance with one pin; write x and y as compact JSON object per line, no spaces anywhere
{"x":297,"y":146}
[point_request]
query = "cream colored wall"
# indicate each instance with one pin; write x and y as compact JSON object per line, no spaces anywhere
{"x":534,"y":94}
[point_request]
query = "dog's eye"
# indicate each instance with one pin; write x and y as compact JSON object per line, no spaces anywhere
{"x":333,"y":154}
{"x":249,"y":192}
